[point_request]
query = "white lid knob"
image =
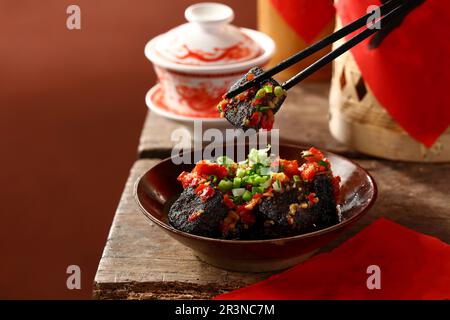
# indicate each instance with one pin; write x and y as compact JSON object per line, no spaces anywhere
{"x":208,"y":13}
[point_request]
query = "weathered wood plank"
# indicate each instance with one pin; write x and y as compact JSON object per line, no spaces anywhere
{"x":141,"y":262}
{"x":415,"y":195}
{"x":140,"y":255}
{"x":303,"y":119}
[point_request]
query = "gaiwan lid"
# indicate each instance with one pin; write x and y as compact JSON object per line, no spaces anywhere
{"x":208,"y":39}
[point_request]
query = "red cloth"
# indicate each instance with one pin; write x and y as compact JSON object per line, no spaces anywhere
{"x":307,"y":18}
{"x":413,"y":266}
{"x":409,"y":72}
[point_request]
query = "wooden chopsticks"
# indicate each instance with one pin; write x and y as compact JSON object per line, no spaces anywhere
{"x":387,"y":11}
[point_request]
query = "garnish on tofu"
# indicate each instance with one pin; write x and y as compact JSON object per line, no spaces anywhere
{"x":262,"y":197}
{"x":254,"y":108}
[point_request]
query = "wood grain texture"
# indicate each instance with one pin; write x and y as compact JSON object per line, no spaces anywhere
{"x":141,"y":262}
{"x":303,"y":119}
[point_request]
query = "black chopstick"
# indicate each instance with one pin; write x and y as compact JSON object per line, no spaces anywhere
{"x":344,"y":31}
{"x":340,"y":50}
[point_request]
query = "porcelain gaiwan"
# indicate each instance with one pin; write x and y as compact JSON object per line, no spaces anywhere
{"x":198,"y":61}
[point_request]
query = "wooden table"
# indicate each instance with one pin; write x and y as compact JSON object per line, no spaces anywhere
{"x":141,"y":262}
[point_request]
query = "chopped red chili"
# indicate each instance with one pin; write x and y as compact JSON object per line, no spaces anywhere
{"x":257,"y":102}
{"x":246,"y":215}
{"x":228,"y":202}
{"x":254,"y":119}
{"x":290,"y":167}
{"x":242,"y":96}
{"x":244,"y":185}
{"x":206,"y":168}
{"x":188,"y":179}
{"x":312,"y":198}
{"x":267,"y":120}
{"x":313,"y":155}
{"x":308,"y":171}
{"x":204,"y":191}
{"x":268,"y":192}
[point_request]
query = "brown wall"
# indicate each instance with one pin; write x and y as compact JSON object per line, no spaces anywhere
{"x":71,"y":110}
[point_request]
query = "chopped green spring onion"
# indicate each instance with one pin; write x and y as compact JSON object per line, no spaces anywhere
{"x":256,"y":167}
{"x":240,"y":173}
{"x":265,"y":171}
{"x":323,"y":163}
{"x":266,"y":184}
{"x":237,"y":182}
{"x":260,"y":180}
{"x":225,"y":185}
{"x":259,"y":156}
{"x":251,"y":180}
{"x":262,"y":108}
{"x":224,"y":160}
{"x":247,"y":196}
{"x":276,"y":185}
{"x":238,"y":192}
{"x":257,"y":190}
{"x":306,"y":154}
{"x":278,"y":91}
{"x":260,"y":94}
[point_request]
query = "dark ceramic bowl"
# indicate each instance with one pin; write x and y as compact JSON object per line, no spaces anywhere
{"x":156,"y":190}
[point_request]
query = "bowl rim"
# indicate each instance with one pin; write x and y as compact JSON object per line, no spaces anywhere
{"x":335,"y":227}
{"x":267,"y":44}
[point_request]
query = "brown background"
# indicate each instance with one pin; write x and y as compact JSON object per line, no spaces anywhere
{"x":71,"y":110}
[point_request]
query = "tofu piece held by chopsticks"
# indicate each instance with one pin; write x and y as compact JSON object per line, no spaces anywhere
{"x":254,"y":108}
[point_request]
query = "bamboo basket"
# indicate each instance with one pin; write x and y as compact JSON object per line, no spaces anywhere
{"x":358,"y":120}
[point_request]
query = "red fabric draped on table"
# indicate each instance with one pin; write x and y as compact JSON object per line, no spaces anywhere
{"x":409,"y":73}
{"x":412,"y":266}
